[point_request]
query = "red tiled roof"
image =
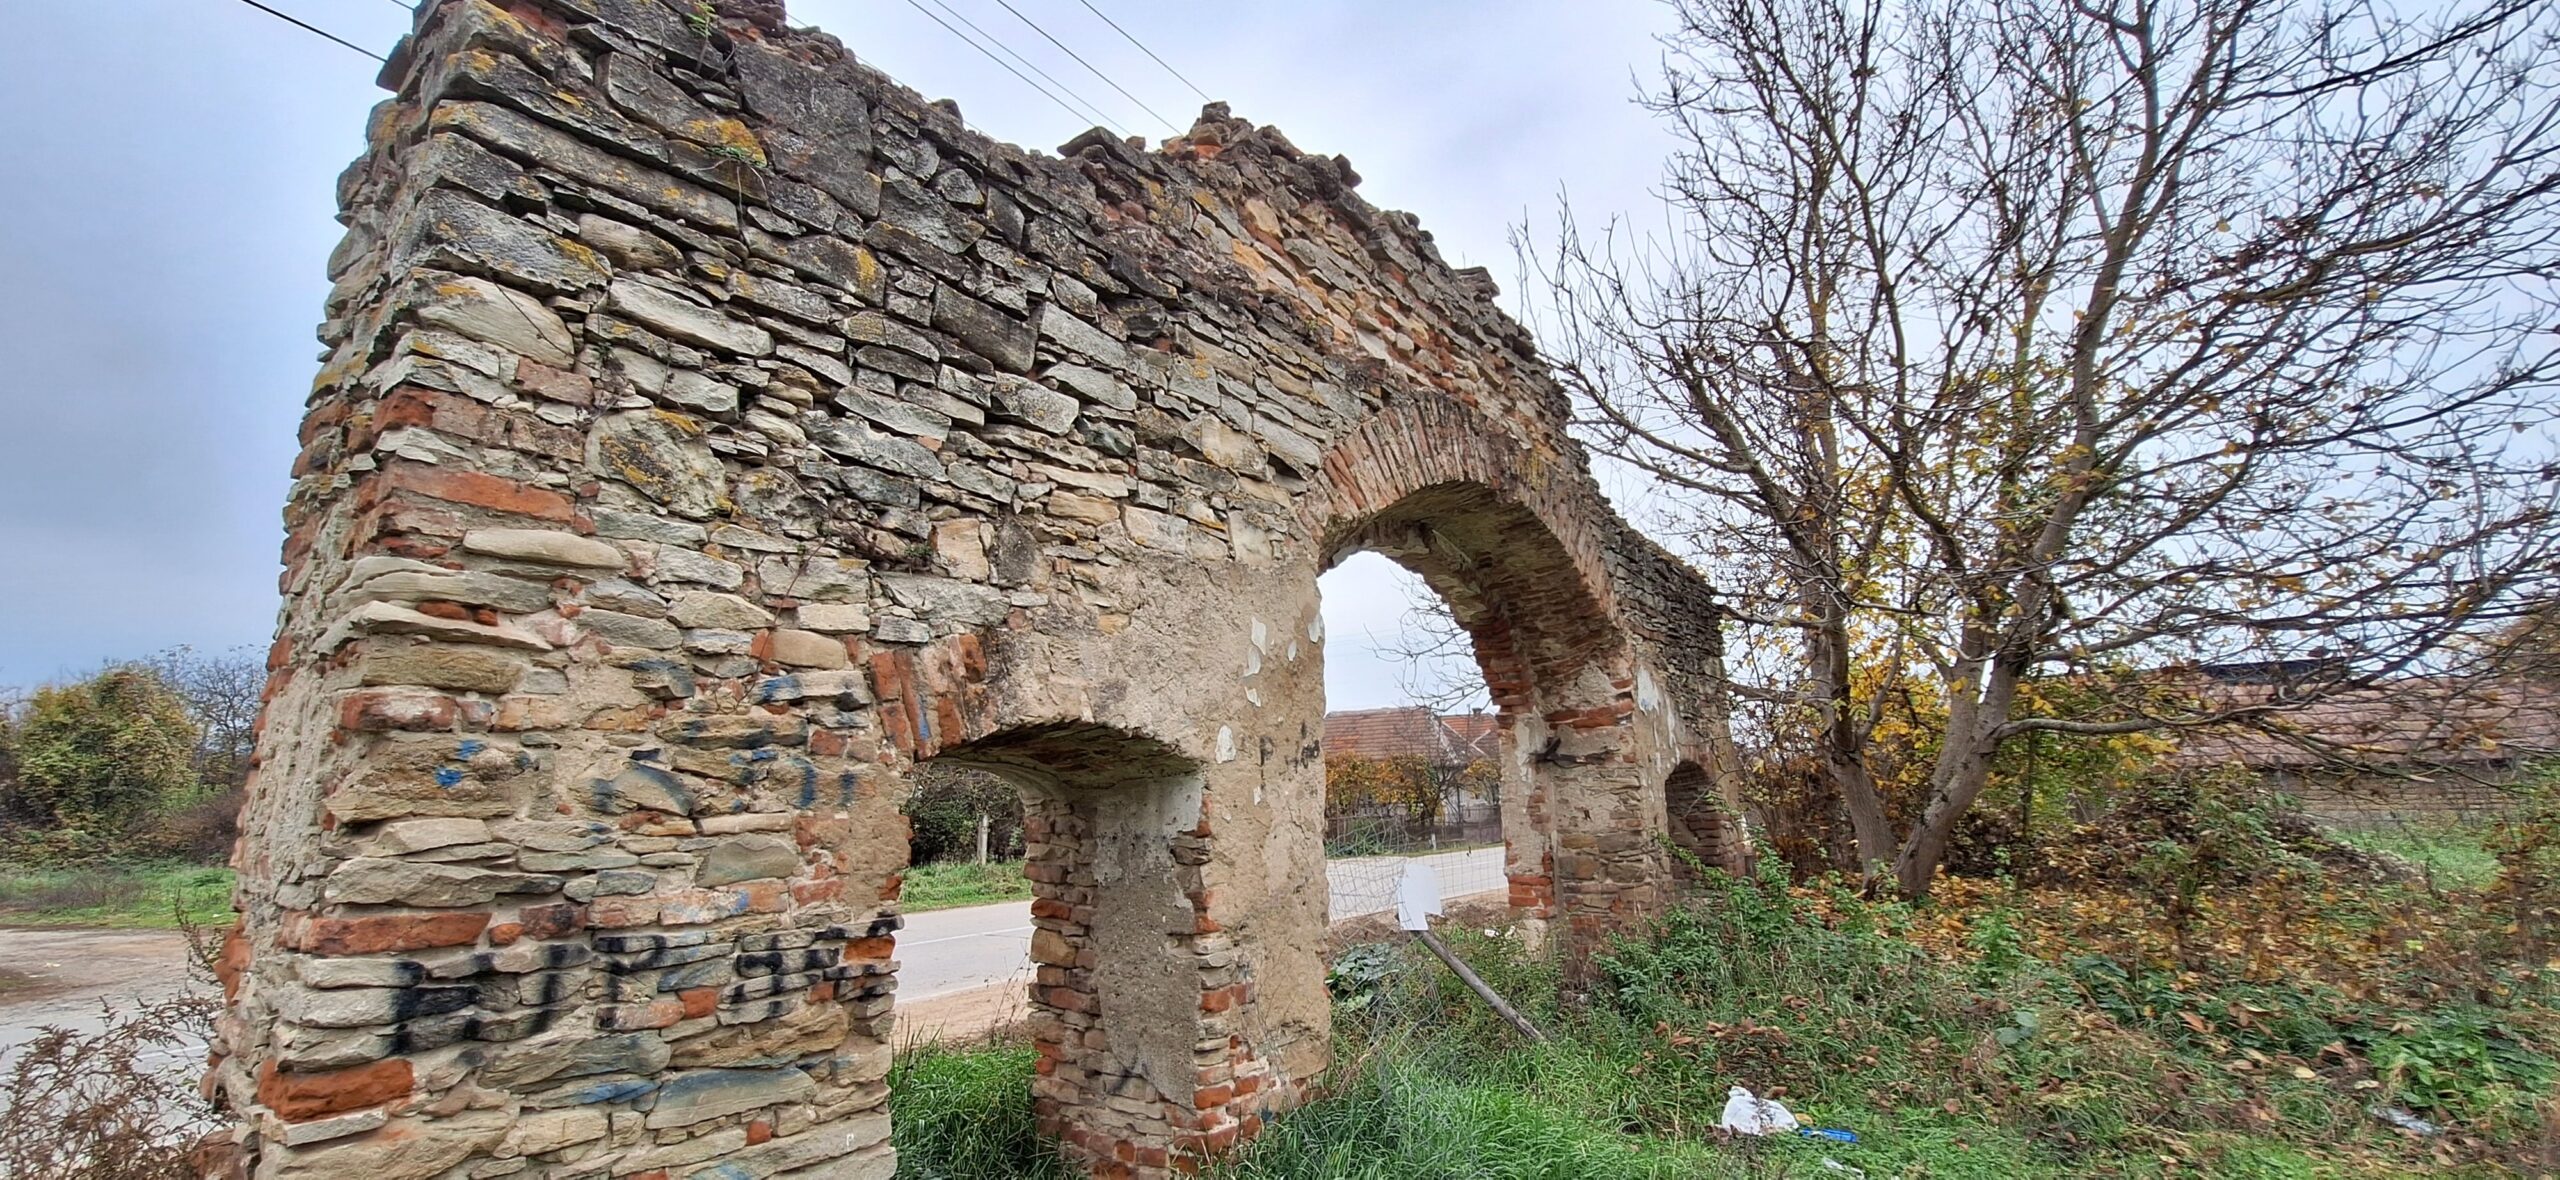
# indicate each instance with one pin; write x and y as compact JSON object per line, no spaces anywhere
{"x":2418,"y":721}
{"x":1410,"y":731}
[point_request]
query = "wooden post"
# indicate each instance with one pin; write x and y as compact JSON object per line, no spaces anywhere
{"x":1484,"y":992}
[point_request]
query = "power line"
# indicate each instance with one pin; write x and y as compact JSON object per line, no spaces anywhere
{"x":1142,"y":48}
{"x":315,"y":30}
{"x":990,"y":54}
{"x":1089,"y":107}
{"x":1106,"y":78}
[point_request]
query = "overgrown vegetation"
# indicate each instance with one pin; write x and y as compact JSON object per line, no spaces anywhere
{"x":958,"y":883}
{"x":121,"y":1103}
{"x":120,"y":793}
{"x":141,"y":760}
{"x":2198,"y":982}
{"x":153,"y":895}
{"x":966,"y":1112}
{"x":946,"y":807}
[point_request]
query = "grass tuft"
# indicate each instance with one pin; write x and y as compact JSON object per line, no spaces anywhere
{"x":962,"y":883}
{"x":965,"y":1114}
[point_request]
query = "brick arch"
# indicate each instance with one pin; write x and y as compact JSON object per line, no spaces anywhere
{"x":1131,"y":972}
{"x":1503,"y":534}
{"x":1510,"y":541}
{"x":1702,"y":823}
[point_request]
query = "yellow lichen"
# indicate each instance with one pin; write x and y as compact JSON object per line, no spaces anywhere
{"x":729,"y":137}
{"x":580,"y":252}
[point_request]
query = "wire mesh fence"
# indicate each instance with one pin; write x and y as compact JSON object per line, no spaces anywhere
{"x":1368,"y":853}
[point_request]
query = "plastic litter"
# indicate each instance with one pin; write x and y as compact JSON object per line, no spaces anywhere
{"x":1746,"y":1113}
{"x":1834,"y":1134}
{"x":1831,"y":1165}
{"x":2389,"y":1114}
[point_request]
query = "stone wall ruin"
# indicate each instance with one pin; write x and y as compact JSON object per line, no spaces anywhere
{"x":711,"y":432}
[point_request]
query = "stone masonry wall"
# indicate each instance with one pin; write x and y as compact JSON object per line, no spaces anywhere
{"x":711,"y":432}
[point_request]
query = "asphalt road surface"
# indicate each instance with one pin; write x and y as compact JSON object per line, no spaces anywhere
{"x":67,"y":977}
{"x":958,"y":950}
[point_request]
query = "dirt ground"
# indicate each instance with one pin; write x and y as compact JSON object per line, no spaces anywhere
{"x":58,"y":978}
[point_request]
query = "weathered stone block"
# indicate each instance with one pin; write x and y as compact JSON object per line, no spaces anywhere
{"x":748,"y":858}
{"x":704,"y":609}
{"x":809,"y":649}
{"x":546,"y":547}
{"x":641,"y":786}
{"x":437,"y":665}
{"x":702,"y":1095}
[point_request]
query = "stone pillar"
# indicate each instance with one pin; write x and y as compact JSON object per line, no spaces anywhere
{"x":1136,"y":986}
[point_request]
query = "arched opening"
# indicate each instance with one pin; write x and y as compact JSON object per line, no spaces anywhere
{"x":1580,"y":829}
{"x":1700,"y":824}
{"x":1412,"y":754}
{"x":1130,"y":975}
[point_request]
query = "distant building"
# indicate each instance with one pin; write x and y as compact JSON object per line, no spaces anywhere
{"x":2420,"y":747}
{"x":1446,"y":743}
{"x":1410,"y":731}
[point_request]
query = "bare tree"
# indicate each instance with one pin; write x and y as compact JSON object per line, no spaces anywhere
{"x":222,"y":691}
{"x":1998,"y":339}
{"x":1435,"y":658}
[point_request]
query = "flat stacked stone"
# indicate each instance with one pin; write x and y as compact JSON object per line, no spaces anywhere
{"x":712,"y":430}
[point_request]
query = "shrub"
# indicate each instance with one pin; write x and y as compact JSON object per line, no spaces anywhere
{"x":91,"y":1106}
{"x":98,"y":760}
{"x":201,"y":830}
{"x":2527,"y":847}
{"x":943,"y":812}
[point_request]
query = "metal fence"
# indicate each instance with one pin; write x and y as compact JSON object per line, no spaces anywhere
{"x":1368,"y":852}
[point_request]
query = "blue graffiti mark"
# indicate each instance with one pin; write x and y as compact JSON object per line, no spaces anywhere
{"x":471,"y":746}
{"x":771,"y":690}
{"x":845,"y":786}
{"x":808,"y":793}
{"x":615,"y":1091}
{"x":448,"y":776}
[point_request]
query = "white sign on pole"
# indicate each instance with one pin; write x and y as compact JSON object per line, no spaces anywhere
{"x":1417,"y":896}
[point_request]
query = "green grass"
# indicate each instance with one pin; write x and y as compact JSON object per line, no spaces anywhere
{"x":1997,"y":1064}
{"x":959,"y":883}
{"x":136,"y":896}
{"x":966,"y":1113}
{"x":2454,"y":855}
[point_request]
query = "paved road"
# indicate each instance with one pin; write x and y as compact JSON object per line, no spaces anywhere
{"x":64,"y":977}
{"x":946,"y":951}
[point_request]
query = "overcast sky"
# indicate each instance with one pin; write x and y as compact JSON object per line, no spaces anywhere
{"x":169,"y":207}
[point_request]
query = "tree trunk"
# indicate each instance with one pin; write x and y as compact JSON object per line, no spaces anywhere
{"x":1843,"y":740}
{"x":1962,"y":771}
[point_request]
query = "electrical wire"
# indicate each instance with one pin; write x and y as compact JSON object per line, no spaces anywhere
{"x":1142,"y":48}
{"x":315,"y":30}
{"x":1089,"y":66}
{"x":990,"y":54}
{"x":1094,"y":111}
